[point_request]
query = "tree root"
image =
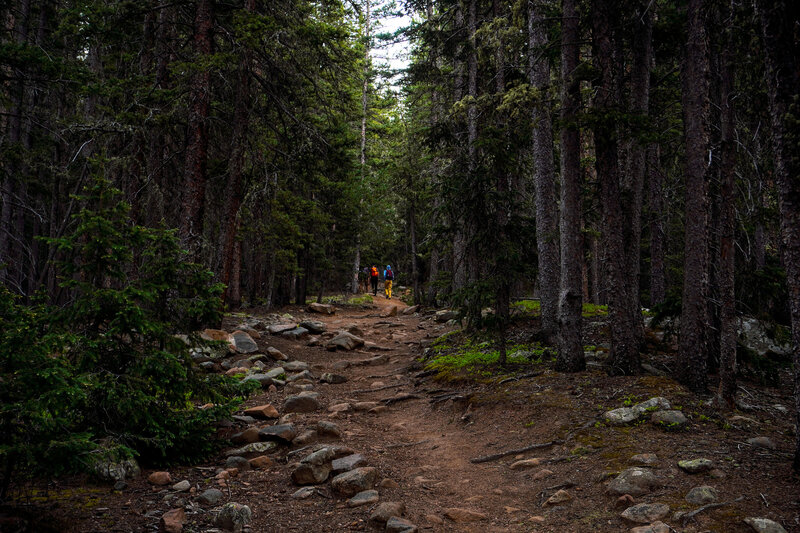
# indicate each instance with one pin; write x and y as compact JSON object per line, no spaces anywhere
{"x":690,"y":515}
{"x":493,"y":457}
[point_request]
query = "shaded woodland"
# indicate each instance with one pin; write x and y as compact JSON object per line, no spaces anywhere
{"x":627,"y":153}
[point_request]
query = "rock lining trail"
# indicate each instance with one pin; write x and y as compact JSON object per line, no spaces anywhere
{"x":349,"y":433}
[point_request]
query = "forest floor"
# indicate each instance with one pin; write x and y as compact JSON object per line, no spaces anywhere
{"x":422,"y":447}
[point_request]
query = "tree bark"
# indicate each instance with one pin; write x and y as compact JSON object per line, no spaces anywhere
{"x":779,"y":21}
{"x":657,"y":203}
{"x":694,"y":313}
{"x":194,"y":193}
{"x":624,"y":358}
{"x":570,"y":347}
{"x":544,"y":172}
{"x":727,"y":332}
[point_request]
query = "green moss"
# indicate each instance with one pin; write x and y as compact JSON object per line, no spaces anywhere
{"x":527,"y":307}
{"x":592,"y":310}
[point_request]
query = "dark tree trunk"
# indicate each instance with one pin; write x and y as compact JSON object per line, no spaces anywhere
{"x":657,"y":203}
{"x":780,"y":19}
{"x":570,"y":346}
{"x":624,"y":357}
{"x":694,"y":314}
{"x":544,"y":172}
{"x":194,"y":192}
{"x":727,"y":226}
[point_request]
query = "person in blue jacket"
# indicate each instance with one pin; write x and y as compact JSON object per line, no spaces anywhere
{"x":388,"y":278}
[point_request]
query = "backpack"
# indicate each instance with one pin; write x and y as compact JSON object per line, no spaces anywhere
{"x":373,"y":272}
{"x":389,"y":274}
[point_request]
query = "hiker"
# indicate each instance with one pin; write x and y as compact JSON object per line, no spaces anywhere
{"x":388,"y":278}
{"x":373,"y":279}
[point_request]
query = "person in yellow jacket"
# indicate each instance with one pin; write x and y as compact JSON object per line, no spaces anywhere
{"x":388,"y":278}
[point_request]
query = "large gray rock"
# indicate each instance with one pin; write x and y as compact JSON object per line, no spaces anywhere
{"x":365,"y":497}
{"x":295,"y":366}
{"x":314,"y":326}
{"x":264,"y":380}
{"x":354,"y":481}
{"x":279,"y":432}
{"x":300,"y":404}
{"x":109,"y":470}
{"x":702,"y":495}
{"x":324,"y":309}
{"x":237,"y":461}
{"x":295,"y":334}
{"x":253,"y":448}
{"x":345,"y":341}
{"x":644,"y":513}
{"x":386,"y":510}
{"x":329,"y":377}
{"x":277,"y":329}
{"x":314,"y":468}
{"x":328,"y":429}
{"x":242,"y":342}
{"x":626,"y":415}
{"x":305,"y":374}
{"x":696,"y":466}
{"x":233,"y":516}
{"x":276,"y":373}
{"x":211,"y":497}
{"x":634,"y":481}
{"x":276,"y":354}
{"x":347,"y":463}
{"x":670,"y":420}
{"x":396,"y":524}
{"x":445,"y":315}
{"x":764,"y":525}
{"x":753,"y":335}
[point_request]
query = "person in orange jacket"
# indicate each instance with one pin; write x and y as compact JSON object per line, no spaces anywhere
{"x":373,"y":279}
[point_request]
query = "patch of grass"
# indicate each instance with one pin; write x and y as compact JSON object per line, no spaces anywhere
{"x":527,"y":307}
{"x":455,"y":357}
{"x":344,"y":299}
{"x":592,"y":310}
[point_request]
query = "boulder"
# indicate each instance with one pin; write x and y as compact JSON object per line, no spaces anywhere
{"x":182,"y":486}
{"x":315,"y":468}
{"x":329,"y":377}
{"x":172,"y":521}
{"x":325,"y":309}
{"x":211,"y":496}
{"x":634,"y":481}
{"x":670,"y":420}
{"x":159,"y":478}
{"x":328,"y":429}
{"x":365,"y":497}
{"x":300,"y":404}
{"x":395,"y":524}
{"x":764,"y":525}
{"x":355,"y":481}
{"x":262,"y":379}
{"x":655,"y":527}
{"x":386,"y":510}
{"x":345,"y":341}
{"x":295,"y":334}
{"x":444,"y":315}
{"x":305,"y":438}
{"x":696,"y":466}
{"x":276,"y":354}
{"x":347,"y":463}
{"x":238,"y":462}
{"x":277,"y":329}
{"x":260,"y":462}
{"x":242,"y":342}
{"x":626,"y":415}
{"x":280,"y":432}
{"x":262,"y":411}
{"x":702,"y":495}
{"x":314,"y":326}
{"x":645,"y":513}
{"x":295,"y":366}
{"x":753,"y":335}
{"x":233,"y":516}
{"x":109,"y":470}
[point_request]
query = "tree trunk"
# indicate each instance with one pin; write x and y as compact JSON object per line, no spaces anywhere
{"x":657,"y":203}
{"x":194,"y":192}
{"x":694,"y":313}
{"x":544,"y":172}
{"x":624,"y":358}
{"x":570,"y":346}
{"x":727,"y":331}
{"x":779,"y":20}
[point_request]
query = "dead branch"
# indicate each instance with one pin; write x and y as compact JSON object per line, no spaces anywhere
{"x":690,"y":515}
{"x":523,"y":376}
{"x":378,"y":389}
{"x":493,"y":457}
{"x":402,"y":397}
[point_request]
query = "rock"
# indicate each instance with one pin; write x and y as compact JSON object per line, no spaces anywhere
{"x":655,"y":527}
{"x":347,"y":463}
{"x":276,"y":354}
{"x":645,"y":459}
{"x":560,"y":496}
{"x":305,"y":492}
{"x":411,"y":310}
{"x":279,"y":432}
{"x":341,"y":365}
{"x":235,"y":371}
{"x":304,"y":375}
{"x":233,"y":516}
{"x":328,"y":429}
{"x":260,"y":462}
{"x":459,"y":515}
{"x":365,"y":497}
{"x":305,"y":438}
{"x":635,"y":481}
{"x":314,"y":326}
{"x":254,"y":447}
{"x":753,"y":335}
{"x":277,"y":329}
{"x":670,"y":420}
{"x":182,"y":486}
{"x":386,"y":510}
{"x":644,"y":513}
{"x":331,"y":378}
{"x":354,"y":481}
{"x":396,"y":524}
{"x":324,"y":309}
{"x":172,"y":521}
{"x":445,"y":315}
{"x":295,"y":334}
{"x":214,"y":335}
{"x":345,"y":341}
{"x":238,"y":462}
{"x":541,"y":474}
{"x":525,"y":463}
{"x":259,"y":358}
{"x":702,"y":495}
{"x":262,"y":411}
{"x":159,"y":478}
{"x":211,"y":497}
{"x":300,"y":404}
{"x":761,"y":442}
{"x":109,"y":470}
{"x":262,"y":379}
{"x":354,"y":330}
{"x":696,"y":466}
{"x":276,"y":373}
{"x":340,"y":408}
{"x":365,"y":406}
{"x":295,"y":366}
{"x":626,"y":415}
{"x":626,"y":500}
{"x":242,"y":342}
{"x":315,"y":468}
{"x":392,"y":311}
{"x":764,"y":525}
{"x":387,"y":483}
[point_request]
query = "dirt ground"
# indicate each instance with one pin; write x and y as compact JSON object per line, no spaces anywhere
{"x":424,"y":444}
